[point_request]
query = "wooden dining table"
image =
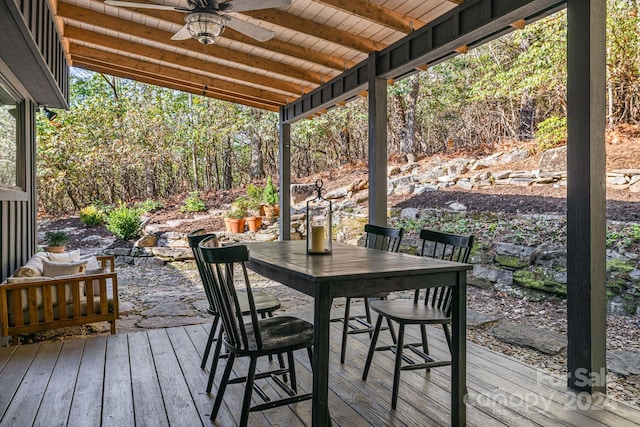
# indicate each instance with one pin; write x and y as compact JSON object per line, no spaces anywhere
{"x":351,"y":271}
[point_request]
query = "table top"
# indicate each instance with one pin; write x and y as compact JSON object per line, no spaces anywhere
{"x":347,"y":263}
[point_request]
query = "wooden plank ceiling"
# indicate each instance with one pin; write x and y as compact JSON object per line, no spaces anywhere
{"x":315,"y":40}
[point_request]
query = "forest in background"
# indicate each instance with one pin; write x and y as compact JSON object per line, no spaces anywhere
{"x":123,"y":141}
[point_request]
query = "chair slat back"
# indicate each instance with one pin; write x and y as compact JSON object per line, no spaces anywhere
{"x":220,"y":264}
{"x":195,"y":237}
{"x":383,"y":238}
{"x":446,"y":246}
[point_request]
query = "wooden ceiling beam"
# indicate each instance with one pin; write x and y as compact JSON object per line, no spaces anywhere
{"x":275,"y":45}
{"x":315,"y":29}
{"x":197,"y":79}
{"x":123,"y":26}
{"x":373,"y":12}
{"x":91,"y":65}
{"x":157,"y":54}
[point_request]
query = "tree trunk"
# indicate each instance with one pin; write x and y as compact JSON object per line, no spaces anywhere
{"x":527,"y":117}
{"x":256,"y":169}
{"x":227,"y":167}
{"x":408,"y":145}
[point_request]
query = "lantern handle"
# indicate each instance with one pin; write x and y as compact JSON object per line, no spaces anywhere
{"x":319,"y":185}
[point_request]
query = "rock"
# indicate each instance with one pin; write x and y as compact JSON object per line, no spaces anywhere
{"x":522,"y":174}
{"x":525,"y":336}
{"x":118,"y":251}
{"x":141,"y":252}
{"x":362,"y":196}
{"x":458,"y":207}
{"x":464,"y":183}
{"x":493,"y":274}
{"x":148,"y":241}
{"x":502,"y":175}
{"x":509,"y":249}
{"x":481,"y":176}
{"x":403,"y":180}
{"x":514,"y":156}
{"x":623,"y":362}
{"x":338,"y":193}
{"x":492,"y":160}
{"x":447,"y":178}
{"x":409,"y":167}
{"x":430,"y":176}
{"x":523,"y":182}
{"x":634,"y":179}
{"x":476,"y":319}
{"x":174,"y":308}
{"x":127,"y":260}
{"x":301,"y":192}
{"x":125,"y":306}
{"x":419,"y":189}
{"x":359,"y":185}
{"x":628,"y":172}
{"x":404,"y":189}
{"x":617,"y":180}
{"x":554,"y":159}
{"x":172,"y":254}
{"x":393,"y":170}
{"x":410,"y":213}
{"x":456,"y":166}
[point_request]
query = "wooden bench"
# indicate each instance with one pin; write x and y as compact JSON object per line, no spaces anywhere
{"x":87,"y":299}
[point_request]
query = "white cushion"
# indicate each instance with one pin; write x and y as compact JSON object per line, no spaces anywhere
{"x":70,"y":256}
{"x":56,"y":269}
{"x":92,"y":262}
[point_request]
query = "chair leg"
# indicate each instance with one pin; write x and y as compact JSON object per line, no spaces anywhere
{"x":447,"y":335}
{"x":367,"y":311}
{"x":223,"y":386}
{"x":212,"y":336}
{"x":372,"y":348}
{"x":264,"y":316}
{"x":425,"y":343}
{"x":345,"y":329}
{"x":398,"y":367}
{"x":282,"y":365}
{"x":292,"y":371}
{"x":246,"y":402}
{"x":392,"y":331}
{"x":214,"y":362}
{"x":310,"y":353}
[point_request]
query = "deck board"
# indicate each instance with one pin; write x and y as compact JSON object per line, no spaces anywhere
{"x":154,"y":378}
{"x":86,"y":406}
{"x":55,"y":406}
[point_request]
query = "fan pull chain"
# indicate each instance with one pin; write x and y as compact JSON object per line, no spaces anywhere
{"x":204,"y":68}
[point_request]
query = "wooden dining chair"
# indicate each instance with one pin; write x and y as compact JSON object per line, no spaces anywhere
{"x":265,"y":303}
{"x":252,"y":337}
{"x":380,"y":238}
{"x":434,"y":309}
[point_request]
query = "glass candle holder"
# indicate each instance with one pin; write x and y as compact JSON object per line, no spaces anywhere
{"x":319,"y":212}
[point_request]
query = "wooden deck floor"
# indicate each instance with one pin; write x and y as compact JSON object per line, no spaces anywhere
{"x":154,"y":378}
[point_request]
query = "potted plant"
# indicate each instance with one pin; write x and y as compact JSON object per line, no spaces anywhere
{"x":254,"y":203}
{"x":236,"y":218}
{"x":271,"y":199}
{"x":55,"y":241}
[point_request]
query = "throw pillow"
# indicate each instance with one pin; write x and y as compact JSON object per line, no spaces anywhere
{"x":55,"y":269}
{"x":33,"y":267}
{"x":92,"y":262}
{"x":71,"y":256}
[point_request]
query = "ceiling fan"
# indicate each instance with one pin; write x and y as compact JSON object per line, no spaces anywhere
{"x":207,"y":19}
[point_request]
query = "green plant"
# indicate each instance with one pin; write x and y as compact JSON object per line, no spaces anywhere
{"x":91,"y":216}
{"x":551,"y":133}
{"x":255,"y":195}
{"x":193,"y":203}
{"x":149,"y":205}
{"x":125,"y":223}
{"x":56,"y":237}
{"x":237,"y":213}
{"x":270,"y":193}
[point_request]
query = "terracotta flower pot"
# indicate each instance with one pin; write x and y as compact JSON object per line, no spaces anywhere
{"x":254,"y":223}
{"x":272,"y":211}
{"x":54,"y":249}
{"x":227,"y":224}
{"x":237,"y":225}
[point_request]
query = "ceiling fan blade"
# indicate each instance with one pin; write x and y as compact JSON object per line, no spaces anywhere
{"x":182,"y":34}
{"x":251,"y":30}
{"x":142,"y":5}
{"x":242,"y":5}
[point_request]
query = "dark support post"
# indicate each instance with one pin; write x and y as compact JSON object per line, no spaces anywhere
{"x":284,"y":178}
{"x":586,"y":210}
{"x":377,"y":145}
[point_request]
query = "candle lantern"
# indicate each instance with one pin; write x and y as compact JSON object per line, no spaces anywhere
{"x":319,"y":212}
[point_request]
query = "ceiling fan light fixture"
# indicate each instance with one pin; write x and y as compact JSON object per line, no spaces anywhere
{"x":205,"y":27}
